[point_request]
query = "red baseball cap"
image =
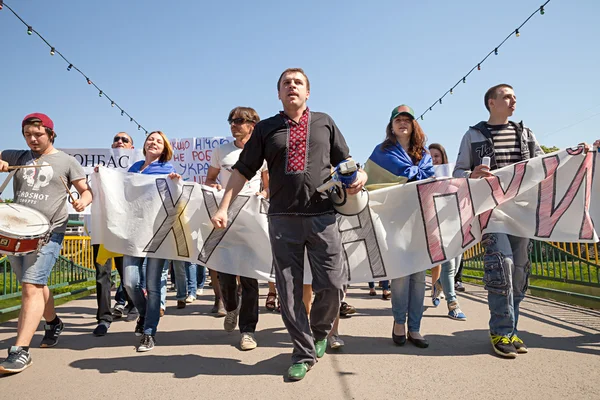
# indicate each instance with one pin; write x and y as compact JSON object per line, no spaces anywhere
{"x":39,"y":117}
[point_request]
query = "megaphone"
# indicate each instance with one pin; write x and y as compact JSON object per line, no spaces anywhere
{"x":343,"y":176}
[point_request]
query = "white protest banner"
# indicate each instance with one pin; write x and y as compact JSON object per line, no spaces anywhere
{"x":191,"y":156}
{"x":191,"y":159}
{"x":119,"y":159}
{"x":408,"y":228}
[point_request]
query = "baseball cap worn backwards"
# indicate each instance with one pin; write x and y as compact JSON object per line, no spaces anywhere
{"x":402,"y":110}
{"x":38,"y":117}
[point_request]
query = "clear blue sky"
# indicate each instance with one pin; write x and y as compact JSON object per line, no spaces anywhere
{"x":181,"y":66}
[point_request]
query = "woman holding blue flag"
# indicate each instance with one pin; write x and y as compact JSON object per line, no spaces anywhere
{"x":403,"y":157}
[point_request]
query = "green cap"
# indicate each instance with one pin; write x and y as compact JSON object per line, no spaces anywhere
{"x":402,"y":110}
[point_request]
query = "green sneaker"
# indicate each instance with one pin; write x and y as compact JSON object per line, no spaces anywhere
{"x":519,"y":345}
{"x":320,"y":347}
{"x":298,"y":371}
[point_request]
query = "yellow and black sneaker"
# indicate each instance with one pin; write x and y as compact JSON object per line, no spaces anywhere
{"x":503,"y":346}
{"x":519,"y":345}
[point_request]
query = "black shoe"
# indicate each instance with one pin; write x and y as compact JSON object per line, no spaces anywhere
{"x":146,"y":344}
{"x":503,"y":346}
{"x":459,"y":287}
{"x":400,"y":340}
{"x":51,"y":334}
{"x":346,"y":309}
{"x":139,"y":327}
{"x":421,"y":343}
{"x":215,"y":308}
{"x":130,"y":310}
{"x":102,"y":328}
{"x":17,"y":360}
{"x":519,"y":344}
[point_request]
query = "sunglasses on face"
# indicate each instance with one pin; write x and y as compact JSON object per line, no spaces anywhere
{"x":238,"y":121}
{"x":121,"y":138}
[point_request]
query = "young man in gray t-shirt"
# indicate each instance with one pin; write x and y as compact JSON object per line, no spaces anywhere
{"x":42,"y":189}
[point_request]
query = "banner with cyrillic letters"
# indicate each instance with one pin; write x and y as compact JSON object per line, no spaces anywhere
{"x":407,"y":228}
{"x":191,"y":159}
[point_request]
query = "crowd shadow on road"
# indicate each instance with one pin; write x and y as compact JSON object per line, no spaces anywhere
{"x":185,"y":366}
{"x":272,"y":338}
{"x":468,"y":343}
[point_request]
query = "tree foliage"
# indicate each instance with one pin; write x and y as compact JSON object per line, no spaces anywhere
{"x":549,"y":149}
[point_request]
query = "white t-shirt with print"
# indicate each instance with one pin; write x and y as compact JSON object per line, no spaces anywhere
{"x":225,"y":157}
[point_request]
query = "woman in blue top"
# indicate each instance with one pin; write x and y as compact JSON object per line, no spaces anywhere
{"x":403,"y":154}
{"x":157,"y":152}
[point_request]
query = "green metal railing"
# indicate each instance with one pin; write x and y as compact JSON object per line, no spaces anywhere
{"x":64,"y":273}
{"x":561,"y":267}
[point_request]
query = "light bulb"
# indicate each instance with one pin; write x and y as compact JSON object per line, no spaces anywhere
{"x":52,"y":51}
{"x":29,"y":30}
{"x":69,"y":67}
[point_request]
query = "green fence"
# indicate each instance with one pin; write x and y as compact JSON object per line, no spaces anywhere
{"x":64,"y":273}
{"x":565,"y":268}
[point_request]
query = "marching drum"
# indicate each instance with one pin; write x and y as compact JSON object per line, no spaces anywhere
{"x":22,"y":229}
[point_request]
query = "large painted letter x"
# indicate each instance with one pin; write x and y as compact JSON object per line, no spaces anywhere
{"x":172,"y":221}
{"x":216,"y":235}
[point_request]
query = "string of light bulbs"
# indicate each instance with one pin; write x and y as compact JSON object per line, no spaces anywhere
{"x":71,"y":66}
{"x":494,"y":51}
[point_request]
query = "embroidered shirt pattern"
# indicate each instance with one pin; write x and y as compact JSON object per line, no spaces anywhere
{"x":297,"y":143}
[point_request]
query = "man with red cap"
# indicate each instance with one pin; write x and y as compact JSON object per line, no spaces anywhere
{"x":40,"y":188}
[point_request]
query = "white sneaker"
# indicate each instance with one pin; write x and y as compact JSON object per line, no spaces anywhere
{"x":199,"y":292}
{"x":190,"y":299}
{"x":230,"y":320}
{"x":247,"y":342}
{"x":335,"y":342}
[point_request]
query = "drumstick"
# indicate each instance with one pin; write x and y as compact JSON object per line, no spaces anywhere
{"x":68,"y":191}
{"x":26,"y":166}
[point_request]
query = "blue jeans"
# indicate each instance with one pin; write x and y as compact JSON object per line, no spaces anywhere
{"x":408,"y":296}
{"x":164,"y":276}
{"x":35,"y":267}
{"x":506,"y":273}
{"x":180,"y":280}
{"x":447,"y":278}
{"x":149,"y":308}
{"x":385,"y":285}
{"x":196,"y":276}
{"x":200,"y":275}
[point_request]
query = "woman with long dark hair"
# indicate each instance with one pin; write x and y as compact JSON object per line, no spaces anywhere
{"x":403,"y":156}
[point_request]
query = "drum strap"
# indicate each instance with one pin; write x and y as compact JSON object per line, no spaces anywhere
{"x":7,"y":180}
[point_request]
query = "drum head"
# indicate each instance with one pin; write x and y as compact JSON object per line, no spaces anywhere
{"x":18,"y":221}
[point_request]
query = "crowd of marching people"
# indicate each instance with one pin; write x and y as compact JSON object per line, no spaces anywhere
{"x":284,"y":158}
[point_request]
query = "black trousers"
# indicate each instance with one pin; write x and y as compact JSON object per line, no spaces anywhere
{"x":248,"y":317}
{"x":103,"y":285}
{"x":458,"y":276}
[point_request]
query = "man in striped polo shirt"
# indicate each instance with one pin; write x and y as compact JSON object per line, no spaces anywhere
{"x":506,"y":259}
